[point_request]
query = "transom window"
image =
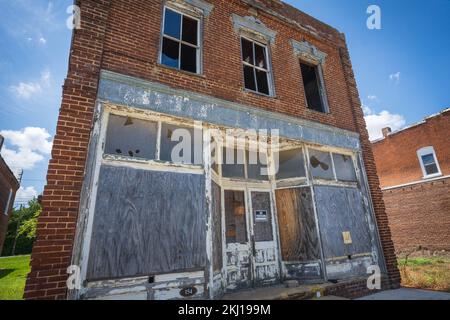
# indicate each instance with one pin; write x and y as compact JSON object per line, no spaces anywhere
{"x":428,"y":162}
{"x":332,"y":166}
{"x":313,"y":87}
{"x":180,"y":43}
{"x":256,"y":67}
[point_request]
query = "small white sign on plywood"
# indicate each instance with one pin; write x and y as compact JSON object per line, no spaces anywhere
{"x":261,"y":215}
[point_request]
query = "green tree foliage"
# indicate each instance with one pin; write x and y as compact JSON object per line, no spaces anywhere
{"x":22,"y":229}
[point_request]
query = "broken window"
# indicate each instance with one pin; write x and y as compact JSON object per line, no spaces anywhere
{"x":312,"y":86}
{"x":236,"y":226}
{"x":320,"y":163}
{"x":233,"y":163}
{"x":256,"y":67}
{"x":180,"y":44}
{"x":181,"y":145}
{"x":345,"y":170}
{"x":291,"y":164}
{"x":257,"y":165}
{"x":130,"y":137}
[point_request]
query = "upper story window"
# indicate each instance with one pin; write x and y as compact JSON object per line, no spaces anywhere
{"x":311,"y":64}
{"x":428,"y":162}
{"x":181,"y":41}
{"x":311,"y":84}
{"x":256,"y":67}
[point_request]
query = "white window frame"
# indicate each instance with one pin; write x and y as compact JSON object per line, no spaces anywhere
{"x":424,"y":152}
{"x":268,"y":70}
{"x":199,"y":47}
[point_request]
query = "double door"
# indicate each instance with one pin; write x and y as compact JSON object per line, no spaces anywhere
{"x":250,"y":238}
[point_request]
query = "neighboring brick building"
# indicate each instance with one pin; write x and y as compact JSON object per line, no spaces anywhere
{"x":8,"y":188}
{"x":414,"y":169}
{"x":118,"y":205}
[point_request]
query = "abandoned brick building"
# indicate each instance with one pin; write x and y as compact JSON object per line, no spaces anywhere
{"x":414,"y":169}
{"x":8,"y":188}
{"x":142,"y":226}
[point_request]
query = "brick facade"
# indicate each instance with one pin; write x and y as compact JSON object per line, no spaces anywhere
{"x":124,"y":37}
{"x":8,"y":188}
{"x":418,"y":209}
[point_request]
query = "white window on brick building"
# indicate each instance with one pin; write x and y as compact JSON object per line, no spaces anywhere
{"x":257,"y":75}
{"x":428,"y":162}
{"x":180,"y":47}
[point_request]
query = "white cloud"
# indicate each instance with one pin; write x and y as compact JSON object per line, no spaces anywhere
{"x":372,"y":97}
{"x":376,"y":122}
{"x":42,"y":40}
{"x":395,"y":77}
{"x":25,"y":90}
{"x":32,"y":145}
{"x":26,"y":194}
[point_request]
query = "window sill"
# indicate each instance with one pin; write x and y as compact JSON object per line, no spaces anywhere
{"x":188,"y":73}
{"x":258,"y":93}
{"x":318,"y":112}
{"x":431,"y":176}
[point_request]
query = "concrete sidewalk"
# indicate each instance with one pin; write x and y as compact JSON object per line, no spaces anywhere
{"x":408,"y":294}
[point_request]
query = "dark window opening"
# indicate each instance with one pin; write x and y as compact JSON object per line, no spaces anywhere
{"x":180,"y":47}
{"x":255,"y":64}
{"x":312,"y":87}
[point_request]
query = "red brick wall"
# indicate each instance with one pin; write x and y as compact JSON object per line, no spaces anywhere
{"x":419,"y":215}
{"x":396,"y":155}
{"x":124,"y":36}
{"x":56,"y":226}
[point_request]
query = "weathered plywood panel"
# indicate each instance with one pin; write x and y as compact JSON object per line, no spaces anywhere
{"x":298,"y":232}
{"x":147,"y":222}
{"x":340,"y":210}
{"x":217,"y":227}
{"x":262,"y":228}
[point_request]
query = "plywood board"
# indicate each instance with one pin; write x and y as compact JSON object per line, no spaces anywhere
{"x":341,"y":210}
{"x":217,"y":227}
{"x":147,"y":222}
{"x":298,"y":232}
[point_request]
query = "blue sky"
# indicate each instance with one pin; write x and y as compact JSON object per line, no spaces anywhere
{"x":402,"y":70}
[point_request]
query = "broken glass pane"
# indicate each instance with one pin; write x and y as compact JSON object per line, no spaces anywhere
{"x":249,"y":77}
{"x":345,"y":170}
{"x":260,"y":56}
{"x":311,"y":86}
{"x":131,"y":137}
{"x":172,"y":24}
{"x":291,"y":164}
{"x":187,"y":147}
{"x":233,"y":163}
{"x":247,"y":51}
{"x":170,"y":53}
{"x":190,"y":30}
{"x":236,"y":226}
{"x":188,"y":58}
{"x":263,"y":82}
{"x":320,"y":164}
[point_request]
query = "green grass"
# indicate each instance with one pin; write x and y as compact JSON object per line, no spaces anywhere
{"x":426,"y":273}
{"x":13,"y":273}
